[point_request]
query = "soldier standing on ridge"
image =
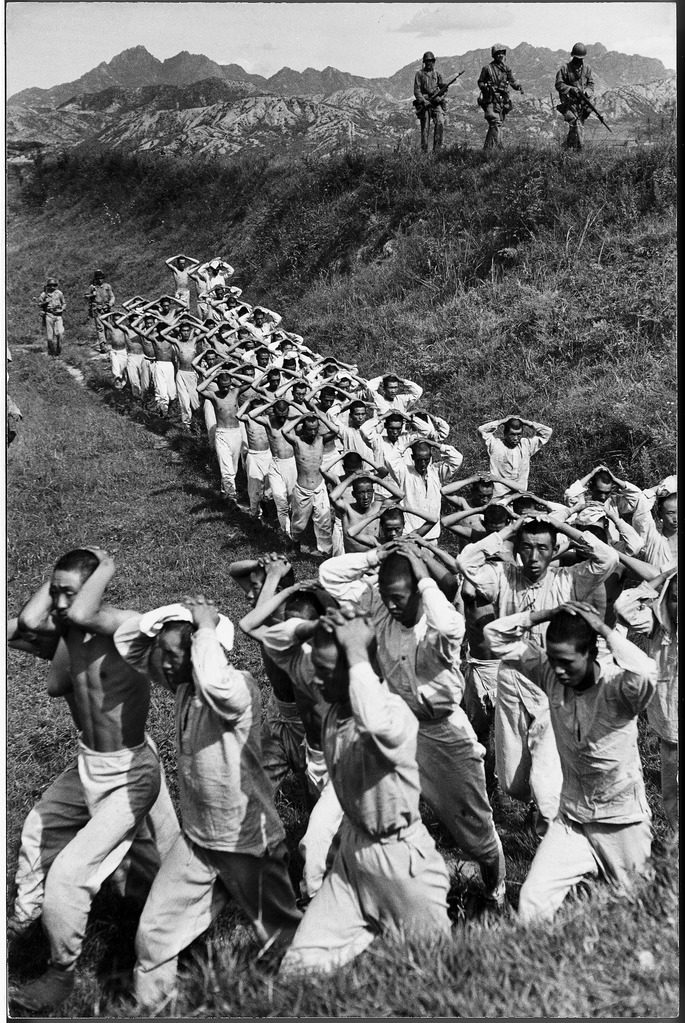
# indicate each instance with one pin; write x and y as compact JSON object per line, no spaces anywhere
{"x":574,"y":79}
{"x":494,"y":83}
{"x":426,"y":82}
{"x":100,"y":300}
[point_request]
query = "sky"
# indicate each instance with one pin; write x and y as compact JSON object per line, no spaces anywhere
{"x":52,"y":43}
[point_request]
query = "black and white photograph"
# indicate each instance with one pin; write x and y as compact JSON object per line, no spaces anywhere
{"x":341,"y":510}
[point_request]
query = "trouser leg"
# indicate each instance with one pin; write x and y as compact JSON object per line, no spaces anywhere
{"x":494,"y":119}
{"x":425,"y":129}
{"x":282,"y":743}
{"x":622,"y":851}
{"x":50,"y":825}
{"x":480,"y":695}
{"x":117,"y":361}
{"x":282,"y":480}
{"x":257,"y":467}
{"x":146,"y":373}
{"x":183,"y":901}
{"x":438,"y":127}
{"x":134,"y":365}
{"x":262,"y":888}
{"x":120,"y":789}
{"x":669,"y":781}
{"x":183,"y":393}
{"x":528,"y":763}
{"x":321,"y":516}
{"x":209,"y":413}
{"x":165,"y":385}
{"x":302,"y":506}
{"x":324,"y":821}
{"x":563,"y":858}
{"x":227,"y":446}
{"x":452,"y":777}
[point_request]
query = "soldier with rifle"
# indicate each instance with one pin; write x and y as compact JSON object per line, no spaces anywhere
{"x":576,"y":90}
{"x":430,"y":104}
{"x":494,"y":83}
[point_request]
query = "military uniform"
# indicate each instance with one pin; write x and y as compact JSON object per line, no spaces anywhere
{"x":426,"y":81}
{"x":494,"y":82}
{"x":574,"y":76}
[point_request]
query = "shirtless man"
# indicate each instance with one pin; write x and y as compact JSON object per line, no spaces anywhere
{"x":364,"y":508}
{"x":118,"y":764}
{"x":164,"y":376}
{"x":116,"y":338}
{"x":223,"y":388}
{"x":310,"y":497}
{"x":258,"y":460}
{"x":134,"y":353}
{"x":273,"y":416}
{"x":185,"y":347}
{"x":142,"y":326}
{"x":181,"y":267}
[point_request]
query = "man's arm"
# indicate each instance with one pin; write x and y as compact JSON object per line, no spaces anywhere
{"x":87,"y":611}
{"x":489,"y":429}
{"x":254,"y":622}
{"x":218,"y":683}
{"x":35,"y":615}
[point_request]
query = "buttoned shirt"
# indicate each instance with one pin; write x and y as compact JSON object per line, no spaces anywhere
{"x":512,"y":463}
{"x":510,"y":591}
{"x":426,"y":82}
{"x":657,"y":550}
{"x":402,"y":402}
{"x":572,"y":75}
{"x":53,"y":301}
{"x":420,"y":662}
{"x":595,"y":729}
{"x":424,"y":492}
{"x":371,"y":756}
{"x":225,"y":796}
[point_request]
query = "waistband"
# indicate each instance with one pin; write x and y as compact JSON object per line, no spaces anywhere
{"x":122,"y":753}
{"x":483,"y":663}
{"x":286,"y":709}
{"x":386,"y":838}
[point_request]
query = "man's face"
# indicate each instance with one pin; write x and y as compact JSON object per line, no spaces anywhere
{"x":599,"y":491}
{"x":185,"y":332}
{"x":257,"y":578}
{"x":668,"y":514}
{"x":512,"y":435}
{"x":310,"y":429}
{"x":64,"y":586}
{"x":391,"y":529}
{"x":274,"y":380}
{"x":299,"y":392}
{"x":223,"y":381}
{"x":536,"y":551}
{"x":165,"y":305}
{"x":500,"y":56}
{"x":357,"y":417}
{"x":393,"y":428}
{"x":330,"y":673}
{"x":482,"y":492}
{"x":401,"y":599}
{"x":391,"y":388}
{"x":428,"y":64}
{"x":262,"y":358}
{"x":219,"y":291}
{"x":326,"y":400}
{"x":363,"y":494}
{"x":421,"y":457}
{"x":259,"y":319}
{"x":174,"y":657}
{"x":570,"y":667}
{"x":181,"y":263}
{"x":98,"y":278}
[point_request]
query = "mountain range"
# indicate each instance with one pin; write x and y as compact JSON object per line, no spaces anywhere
{"x":188,"y":104}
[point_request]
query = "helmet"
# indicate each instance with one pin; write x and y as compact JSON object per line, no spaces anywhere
{"x":578,"y":50}
{"x":51,"y":280}
{"x":497,"y":48}
{"x":98,"y":273}
{"x":428,"y":56}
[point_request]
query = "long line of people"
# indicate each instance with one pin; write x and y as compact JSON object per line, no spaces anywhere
{"x":398,"y":671}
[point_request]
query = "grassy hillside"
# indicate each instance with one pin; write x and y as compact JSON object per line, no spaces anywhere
{"x":536,"y":281}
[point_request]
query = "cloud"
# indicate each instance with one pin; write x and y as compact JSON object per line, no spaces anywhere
{"x":443,"y":17}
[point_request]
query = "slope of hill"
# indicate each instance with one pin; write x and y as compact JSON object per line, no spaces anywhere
{"x":533,"y":281}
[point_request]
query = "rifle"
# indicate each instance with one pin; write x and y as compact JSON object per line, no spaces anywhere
{"x":440,"y":91}
{"x":595,"y":111}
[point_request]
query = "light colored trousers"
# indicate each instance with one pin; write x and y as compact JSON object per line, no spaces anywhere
{"x":117,"y":359}
{"x":315,"y":844}
{"x":375,"y":886}
{"x":282,"y":480}
{"x":147,"y":374}
{"x":190,"y":890}
{"x":257,"y":465}
{"x":227,"y":444}
{"x":528,"y":765}
{"x":570,"y":851}
{"x":312,"y":504}
{"x":54,"y":330}
{"x":480,"y":695}
{"x":134,"y":372}
{"x":188,"y":398}
{"x":209,"y":413}
{"x":120,"y":788}
{"x":165,"y":384}
{"x":57,"y":817}
{"x":452,"y":775}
